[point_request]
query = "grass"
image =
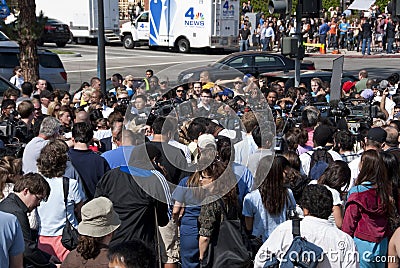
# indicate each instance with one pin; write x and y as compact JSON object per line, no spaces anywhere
{"x":61,"y":51}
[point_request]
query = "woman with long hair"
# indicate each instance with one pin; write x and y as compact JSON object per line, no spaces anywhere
{"x":336,"y":177}
{"x":188,"y":197}
{"x":99,"y":221}
{"x":265,"y":208}
{"x":368,"y":208}
{"x":393,"y":169}
{"x":215,"y":180}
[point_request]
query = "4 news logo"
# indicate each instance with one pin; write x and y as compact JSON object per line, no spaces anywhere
{"x":228,"y":10}
{"x":194,"y":19}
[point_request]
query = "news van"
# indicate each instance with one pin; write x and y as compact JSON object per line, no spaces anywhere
{"x":184,"y":25}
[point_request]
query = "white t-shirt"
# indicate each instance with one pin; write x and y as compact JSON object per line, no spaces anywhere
{"x":339,"y":247}
{"x":17,"y":81}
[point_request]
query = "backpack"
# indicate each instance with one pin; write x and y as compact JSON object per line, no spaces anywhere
{"x":301,"y":253}
{"x":232,"y":248}
{"x":320,"y":160}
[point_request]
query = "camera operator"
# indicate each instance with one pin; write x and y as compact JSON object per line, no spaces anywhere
{"x":7,"y":110}
{"x":24,"y":126}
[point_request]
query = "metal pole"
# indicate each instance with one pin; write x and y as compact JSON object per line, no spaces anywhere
{"x":299,"y":9}
{"x":101,"y":50}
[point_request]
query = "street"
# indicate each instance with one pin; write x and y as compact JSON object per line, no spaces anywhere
{"x":168,"y":63}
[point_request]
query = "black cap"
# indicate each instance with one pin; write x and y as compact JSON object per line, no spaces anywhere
{"x":377,"y":134}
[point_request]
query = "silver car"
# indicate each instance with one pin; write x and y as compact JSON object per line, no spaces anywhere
{"x":50,"y":66}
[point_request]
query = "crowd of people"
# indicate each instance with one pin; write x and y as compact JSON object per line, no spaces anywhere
{"x":147,"y":173}
{"x":365,"y":31}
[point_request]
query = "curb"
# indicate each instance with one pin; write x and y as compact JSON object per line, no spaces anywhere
{"x":70,"y":55}
{"x":355,"y":56}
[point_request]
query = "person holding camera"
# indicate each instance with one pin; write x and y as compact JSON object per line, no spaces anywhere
{"x":8,"y":110}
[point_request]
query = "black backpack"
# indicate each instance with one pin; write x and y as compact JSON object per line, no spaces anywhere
{"x":301,"y":253}
{"x":320,"y":160}
{"x":232,"y":248}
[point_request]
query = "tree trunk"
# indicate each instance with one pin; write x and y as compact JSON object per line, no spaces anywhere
{"x":28,"y":36}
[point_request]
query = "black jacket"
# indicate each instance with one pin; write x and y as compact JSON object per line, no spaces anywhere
{"x":132,"y":192}
{"x":32,"y":255}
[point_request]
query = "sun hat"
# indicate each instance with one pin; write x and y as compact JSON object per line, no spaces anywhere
{"x":98,"y":218}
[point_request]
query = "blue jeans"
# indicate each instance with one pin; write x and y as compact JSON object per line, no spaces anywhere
{"x":366,"y":42}
{"x":267,"y":43}
{"x":322,"y":39}
{"x":390,"y":45}
{"x":244,"y":45}
{"x":264,"y":44}
{"x":333,"y":41}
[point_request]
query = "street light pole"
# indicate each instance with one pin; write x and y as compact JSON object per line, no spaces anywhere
{"x":299,"y":10}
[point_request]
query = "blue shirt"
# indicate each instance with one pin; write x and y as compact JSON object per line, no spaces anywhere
{"x":264,"y":223}
{"x":184,"y":195}
{"x":244,"y":180}
{"x":344,"y":27}
{"x":323,"y":29}
{"x":119,"y":156}
{"x":11,"y":238}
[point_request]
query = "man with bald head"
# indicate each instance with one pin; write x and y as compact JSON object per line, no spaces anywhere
{"x":81,"y":116}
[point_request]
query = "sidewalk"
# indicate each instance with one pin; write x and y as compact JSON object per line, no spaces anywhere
{"x":353,"y":54}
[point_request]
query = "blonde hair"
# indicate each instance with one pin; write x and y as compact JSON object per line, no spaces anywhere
{"x":121,"y":91}
{"x":88,"y":91}
{"x":51,"y":108}
{"x":127,"y":78}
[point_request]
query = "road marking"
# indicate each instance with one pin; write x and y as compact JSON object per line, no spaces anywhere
{"x":94,"y":58}
{"x":133,"y":66}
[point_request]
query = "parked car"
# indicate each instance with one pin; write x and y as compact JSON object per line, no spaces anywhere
{"x":50,"y":66}
{"x":5,"y":41}
{"x":55,"y":31}
{"x":4,"y":85}
{"x":305,"y":77}
{"x":248,"y":62}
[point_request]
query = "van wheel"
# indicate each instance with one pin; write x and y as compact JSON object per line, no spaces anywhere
{"x":183,"y":45}
{"x":128,"y":42}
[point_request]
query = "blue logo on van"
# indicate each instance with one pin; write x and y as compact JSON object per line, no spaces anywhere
{"x":228,"y":10}
{"x":195,"y":19}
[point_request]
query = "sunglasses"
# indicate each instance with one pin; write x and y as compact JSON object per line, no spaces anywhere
{"x":179,"y":91}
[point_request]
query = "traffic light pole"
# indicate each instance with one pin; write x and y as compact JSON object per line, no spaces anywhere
{"x":299,"y":10}
{"x":101,"y":50}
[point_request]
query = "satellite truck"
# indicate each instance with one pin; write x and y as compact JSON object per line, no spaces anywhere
{"x":184,"y":25}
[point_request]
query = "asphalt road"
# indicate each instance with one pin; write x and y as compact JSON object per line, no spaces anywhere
{"x":136,"y":61}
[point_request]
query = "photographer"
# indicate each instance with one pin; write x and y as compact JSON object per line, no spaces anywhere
{"x":7,"y":110}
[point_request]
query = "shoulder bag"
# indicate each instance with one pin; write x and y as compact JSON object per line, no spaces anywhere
{"x":69,"y":235}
